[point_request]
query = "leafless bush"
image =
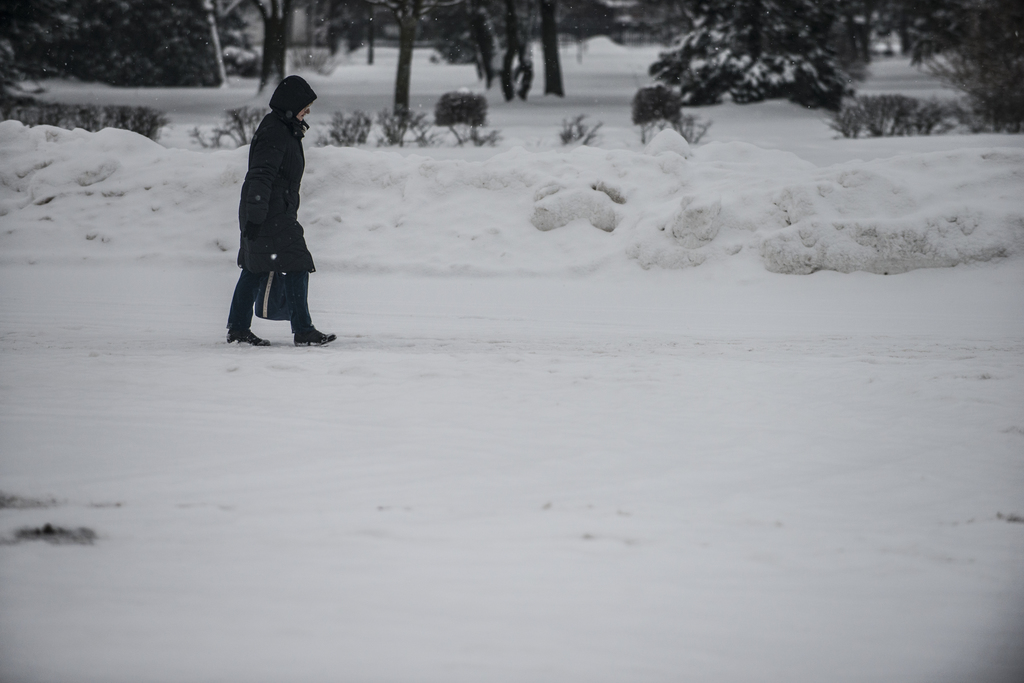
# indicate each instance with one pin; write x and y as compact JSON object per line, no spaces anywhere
{"x":481,"y":139}
{"x":575,"y":130}
{"x":347,"y":130}
{"x":316,"y":59}
{"x":141,"y":120}
{"x":238,"y":125}
{"x":395,"y":127}
{"x":692,"y":128}
{"x":894,"y":115}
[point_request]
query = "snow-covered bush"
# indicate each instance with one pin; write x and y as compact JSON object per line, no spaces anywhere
{"x":656,"y":108}
{"x":238,"y":125}
{"x":576,"y":130}
{"x":893,"y":115}
{"x":141,"y":120}
{"x":239,"y":61}
{"x":756,"y":50}
{"x":347,"y":130}
{"x":465,"y":114}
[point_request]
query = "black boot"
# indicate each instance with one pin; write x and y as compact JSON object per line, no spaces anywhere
{"x":314,"y":337}
{"x":245,"y":337}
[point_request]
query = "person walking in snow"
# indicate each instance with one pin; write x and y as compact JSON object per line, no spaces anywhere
{"x":272,"y":239}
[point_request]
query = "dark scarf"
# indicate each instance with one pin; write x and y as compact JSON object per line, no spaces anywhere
{"x":298,"y":128}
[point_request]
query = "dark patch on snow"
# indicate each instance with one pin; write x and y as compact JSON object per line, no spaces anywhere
{"x":1018,"y":519}
{"x":12,"y":502}
{"x":614,"y":539}
{"x":56,"y":535}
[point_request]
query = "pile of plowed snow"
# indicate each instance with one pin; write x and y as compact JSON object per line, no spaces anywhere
{"x":73,"y":195}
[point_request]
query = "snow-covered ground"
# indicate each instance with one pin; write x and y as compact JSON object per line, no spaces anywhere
{"x":540,"y":450}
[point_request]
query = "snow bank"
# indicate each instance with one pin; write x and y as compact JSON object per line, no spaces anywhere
{"x":114,"y":194}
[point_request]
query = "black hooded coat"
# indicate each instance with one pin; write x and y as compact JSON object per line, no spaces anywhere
{"x":272,"y":238}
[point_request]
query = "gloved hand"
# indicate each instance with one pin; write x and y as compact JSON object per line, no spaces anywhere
{"x":251,"y":230}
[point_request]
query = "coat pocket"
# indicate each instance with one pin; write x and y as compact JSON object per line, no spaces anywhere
{"x":278,"y":204}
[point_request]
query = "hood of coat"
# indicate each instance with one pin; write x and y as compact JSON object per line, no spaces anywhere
{"x":292,"y":95}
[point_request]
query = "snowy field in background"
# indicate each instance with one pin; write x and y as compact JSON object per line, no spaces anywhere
{"x":600,"y":84}
{"x":582,"y":423}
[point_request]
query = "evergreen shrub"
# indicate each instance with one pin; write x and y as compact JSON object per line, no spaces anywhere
{"x":656,"y":103}
{"x":755,"y":50}
{"x":241,"y":62}
{"x":656,"y":108}
{"x":987,"y":64}
{"x":461,"y":107}
{"x":241,"y":58}
{"x":137,"y":43}
{"x":465,"y":114}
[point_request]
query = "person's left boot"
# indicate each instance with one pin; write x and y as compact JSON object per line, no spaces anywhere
{"x":246,"y":337}
{"x":314,"y":337}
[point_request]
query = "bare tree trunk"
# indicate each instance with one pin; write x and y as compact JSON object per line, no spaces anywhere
{"x":869,"y":22}
{"x":211,"y":17}
{"x":333,"y":35}
{"x":484,"y":41}
{"x":751,"y":19}
{"x":407,"y":13}
{"x":275,"y":40}
{"x":549,"y":38}
{"x":275,"y":46}
{"x":903,"y":30}
{"x":524,"y":72}
{"x":406,"y":42}
{"x":370,"y":37}
{"x":858,"y":20}
{"x":511,"y":50}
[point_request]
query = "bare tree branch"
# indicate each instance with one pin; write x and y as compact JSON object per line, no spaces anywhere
{"x":402,"y":6}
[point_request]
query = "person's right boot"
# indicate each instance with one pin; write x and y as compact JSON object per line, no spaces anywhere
{"x":246,"y":337}
{"x":314,"y":337}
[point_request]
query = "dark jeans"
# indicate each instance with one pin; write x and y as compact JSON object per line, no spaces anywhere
{"x":296,"y":288}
